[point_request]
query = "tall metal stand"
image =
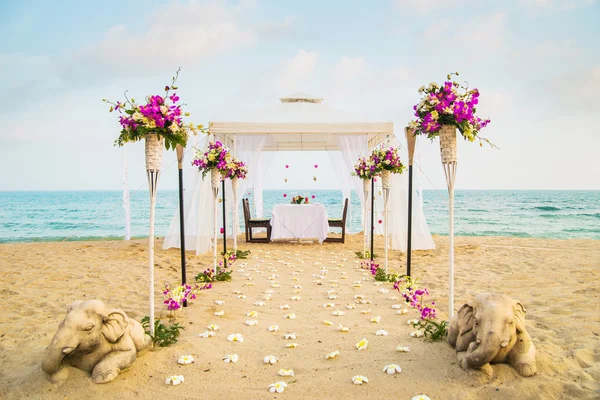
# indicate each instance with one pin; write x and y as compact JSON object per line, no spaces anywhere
{"x":224,"y":226}
{"x":180,"y":154}
{"x":411,"y":141}
{"x":372,"y":214}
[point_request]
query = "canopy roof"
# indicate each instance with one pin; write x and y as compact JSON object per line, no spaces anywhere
{"x":301,"y":122}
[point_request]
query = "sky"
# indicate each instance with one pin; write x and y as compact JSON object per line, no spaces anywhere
{"x":536,"y":64}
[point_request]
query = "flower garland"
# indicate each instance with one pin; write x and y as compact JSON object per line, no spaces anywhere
{"x":445,"y":105}
{"x":175,"y":297}
{"x":160,"y":115}
{"x":414,"y":295}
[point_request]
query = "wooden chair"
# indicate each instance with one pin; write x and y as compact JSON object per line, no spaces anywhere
{"x":339,"y":223}
{"x":255,"y":223}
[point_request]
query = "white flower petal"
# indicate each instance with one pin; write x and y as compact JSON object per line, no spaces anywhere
{"x":251,"y":322}
{"x":260,"y":303}
{"x":290,"y":336}
{"x":420,"y":397}
{"x":359,"y":379}
{"x":184,"y":360}
{"x":362,"y":345}
{"x":402,"y":349}
{"x":332,"y":355}
{"x":337,"y":313}
{"x":174,"y":380}
{"x":273,"y":328}
{"x":219,"y":313}
{"x":285,"y":372}
{"x":381,"y":332}
{"x":326,"y":322}
{"x":290,"y":316}
{"x":219,"y":302}
{"x":292,"y":345}
{"x":270,"y":360}
{"x":376,"y":320}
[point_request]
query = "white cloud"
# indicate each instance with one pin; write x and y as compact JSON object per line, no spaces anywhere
{"x":484,"y":34}
{"x":558,"y":5}
{"x":427,"y":6}
{"x":557,"y":49}
{"x":199,"y":32}
{"x":296,"y":71}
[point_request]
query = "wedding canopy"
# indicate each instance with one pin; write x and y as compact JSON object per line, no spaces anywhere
{"x":300,"y":122}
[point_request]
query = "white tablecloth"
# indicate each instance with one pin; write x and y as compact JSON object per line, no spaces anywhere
{"x":299,"y":221}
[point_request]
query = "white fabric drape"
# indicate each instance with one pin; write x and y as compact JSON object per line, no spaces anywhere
{"x":398,"y":212}
{"x":265,"y":161}
{"x":248,"y":149}
{"x":352,"y":147}
{"x":198,"y":200}
{"x":335,"y":157}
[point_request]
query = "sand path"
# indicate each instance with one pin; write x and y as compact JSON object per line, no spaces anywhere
{"x":556,"y":280}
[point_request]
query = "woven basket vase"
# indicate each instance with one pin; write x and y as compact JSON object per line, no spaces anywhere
{"x":448,"y":144}
{"x":154,"y":152}
{"x":386,"y":179}
{"x":215,"y":178}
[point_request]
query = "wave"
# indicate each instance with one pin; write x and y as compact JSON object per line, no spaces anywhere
{"x":546,"y":208}
{"x":581,"y":230}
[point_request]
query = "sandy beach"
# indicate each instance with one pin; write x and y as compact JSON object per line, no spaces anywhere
{"x":557,"y":280}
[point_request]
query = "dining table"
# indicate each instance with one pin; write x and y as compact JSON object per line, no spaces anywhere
{"x":299,"y":221}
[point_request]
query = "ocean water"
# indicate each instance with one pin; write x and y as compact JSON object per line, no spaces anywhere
{"x":91,"y":215}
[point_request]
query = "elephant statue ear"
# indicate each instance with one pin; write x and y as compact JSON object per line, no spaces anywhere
{"x":519,"y":312}
{"x":465,"y":318}
{"x":114,"y":324}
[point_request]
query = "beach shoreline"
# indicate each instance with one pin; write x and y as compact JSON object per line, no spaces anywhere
{"x":556,"y":279}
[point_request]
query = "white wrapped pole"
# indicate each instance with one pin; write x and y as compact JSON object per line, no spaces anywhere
{"x":366,"y":186}
{"x":215,"y":179}
{"x":386,"y":177}
{"x":154,"y":155}
{"x":234,"y":230}
{"x":449,"y":161}
{"x":126,"y":203}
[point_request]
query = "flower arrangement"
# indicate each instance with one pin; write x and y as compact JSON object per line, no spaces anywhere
{"x":387,"y":160}
{"x":450,"y":104}
{"x":216,"y":156}
{"x":299,"y":200}
{"x":160,"y":115}
{"x":235,"y":169}
{"x":175,"y":297}
{"x":364,"y":169}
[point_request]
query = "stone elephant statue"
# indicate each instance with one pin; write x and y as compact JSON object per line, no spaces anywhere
{"x":99,"y":340}
{"x":491,"y":329}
